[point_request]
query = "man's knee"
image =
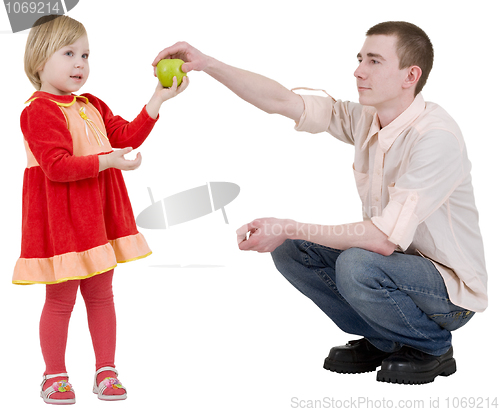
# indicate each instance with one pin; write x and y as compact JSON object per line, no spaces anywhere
{"x":354,"y":268}
{"x":287,"y":251}
{"x":355,"y":259}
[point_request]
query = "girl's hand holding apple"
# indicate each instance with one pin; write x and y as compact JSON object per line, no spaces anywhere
{"x":163,"y":94}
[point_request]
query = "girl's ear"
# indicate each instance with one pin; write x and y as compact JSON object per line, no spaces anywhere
{"x":42,"y":65}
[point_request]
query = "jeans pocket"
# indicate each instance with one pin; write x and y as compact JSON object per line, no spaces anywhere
{"x":453,"y":320}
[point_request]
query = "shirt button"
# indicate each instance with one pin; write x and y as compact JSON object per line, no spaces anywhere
{"x":377,"y":198}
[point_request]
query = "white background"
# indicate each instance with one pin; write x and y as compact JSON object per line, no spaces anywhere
{"x":235,"y":336}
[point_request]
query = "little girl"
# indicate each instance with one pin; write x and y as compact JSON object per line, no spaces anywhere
{"x":77,"y":217}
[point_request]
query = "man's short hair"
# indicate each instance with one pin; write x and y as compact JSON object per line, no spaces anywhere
{"x":414,"y":48}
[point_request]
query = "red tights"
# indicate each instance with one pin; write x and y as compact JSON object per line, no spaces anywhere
{"x":97,"y":293}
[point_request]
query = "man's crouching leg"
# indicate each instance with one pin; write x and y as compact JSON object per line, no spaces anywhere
{"x":402,"y":297}
{"x":311,"y":268}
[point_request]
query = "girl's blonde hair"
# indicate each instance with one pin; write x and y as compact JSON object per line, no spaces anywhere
{"x":49,"y":34}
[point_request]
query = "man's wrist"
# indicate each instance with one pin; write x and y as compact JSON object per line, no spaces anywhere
{"x":289,"y":228}
{"x":212,"y":66}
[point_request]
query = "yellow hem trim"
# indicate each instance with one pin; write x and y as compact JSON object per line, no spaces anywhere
{"x":81,"y":265}
{"x":27,"y":282}
{"x":130,"y":248}
{"x":58,"y":103}
{"x":137,"y":258}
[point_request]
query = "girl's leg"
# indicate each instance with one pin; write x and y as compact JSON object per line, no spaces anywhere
{"x":97,"y":292}
{"x":59,"y":302}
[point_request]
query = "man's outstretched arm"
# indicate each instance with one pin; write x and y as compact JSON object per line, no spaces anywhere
{"x":264,"y":93}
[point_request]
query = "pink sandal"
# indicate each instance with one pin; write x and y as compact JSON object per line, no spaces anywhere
{"x":111,"y":383}
{"x":59,"y":386}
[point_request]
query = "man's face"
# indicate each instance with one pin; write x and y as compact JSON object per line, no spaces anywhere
{"x":378,"y":77}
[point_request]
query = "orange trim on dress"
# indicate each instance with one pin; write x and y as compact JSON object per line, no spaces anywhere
{"x":32,"y":162}
{"x":26,"y":282}
{"x":72,"y":265}
{"x":130,"y":248}
{"x":80,"y":265}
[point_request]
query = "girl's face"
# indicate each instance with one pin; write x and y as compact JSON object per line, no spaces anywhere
{"x":67,"y":69}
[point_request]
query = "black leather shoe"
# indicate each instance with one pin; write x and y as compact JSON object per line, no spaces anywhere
{"x":413,"y":367}
{"x":357,"y":356}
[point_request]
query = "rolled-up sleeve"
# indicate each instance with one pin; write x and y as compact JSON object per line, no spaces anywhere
{"x":398,"y":220}
{"x":436,"y":167}
{"x":325,"y":114}
{"x":317,"y":114}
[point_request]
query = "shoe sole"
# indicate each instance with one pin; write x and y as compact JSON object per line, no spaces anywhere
{"x":51,"y":401}
{"x":445,"y":369}
{"x":110,"y":397}
{"x":349,"y":367}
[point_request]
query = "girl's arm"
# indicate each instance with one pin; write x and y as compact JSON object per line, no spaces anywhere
{"x":45,"y":130}
{"x":121,"y":133}
{"x":162,"y":94}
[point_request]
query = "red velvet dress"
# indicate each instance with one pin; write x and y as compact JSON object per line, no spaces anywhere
{"x":77,"y":221}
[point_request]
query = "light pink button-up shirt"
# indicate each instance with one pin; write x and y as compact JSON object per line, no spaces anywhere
{"x":413,"y":177}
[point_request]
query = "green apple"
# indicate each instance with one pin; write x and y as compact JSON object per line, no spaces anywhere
{"x":166,"y":69}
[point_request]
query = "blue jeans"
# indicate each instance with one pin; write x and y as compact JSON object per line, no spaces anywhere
{"x":391,"y":300}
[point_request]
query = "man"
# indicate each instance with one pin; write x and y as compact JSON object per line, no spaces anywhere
{"x":413,"y":270}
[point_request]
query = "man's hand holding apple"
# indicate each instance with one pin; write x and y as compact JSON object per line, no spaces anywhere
{"x":193,"y":58}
